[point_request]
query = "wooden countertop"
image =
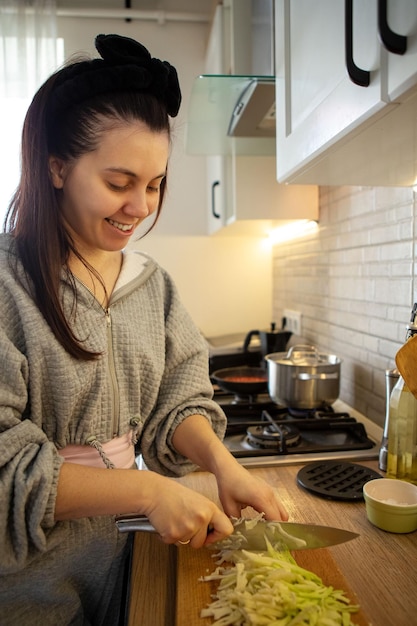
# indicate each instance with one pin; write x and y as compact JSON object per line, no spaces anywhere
{"x":380,"y":568}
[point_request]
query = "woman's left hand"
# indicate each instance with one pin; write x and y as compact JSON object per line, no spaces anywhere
{"x":238,"y":489}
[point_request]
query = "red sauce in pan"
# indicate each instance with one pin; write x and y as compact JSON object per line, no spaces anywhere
{"x":245,"y":379}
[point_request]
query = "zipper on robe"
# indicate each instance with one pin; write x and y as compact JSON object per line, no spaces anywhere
{"x":113,"y":378}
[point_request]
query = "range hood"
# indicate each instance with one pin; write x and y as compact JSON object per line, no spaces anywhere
{"x":232,"y":115}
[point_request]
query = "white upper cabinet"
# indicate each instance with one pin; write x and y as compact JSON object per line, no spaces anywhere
{"x":400,"y":29}
{"x":342,"y":70}
{"x":317,"y":102}
{"x":245,"y":198}
{"x":243,"y":195}
{"x":217,"y":59}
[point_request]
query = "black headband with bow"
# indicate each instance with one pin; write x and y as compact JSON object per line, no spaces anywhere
{"x":125,"y":65}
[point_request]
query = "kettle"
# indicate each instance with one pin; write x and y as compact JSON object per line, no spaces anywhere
{"x":271,"y":341}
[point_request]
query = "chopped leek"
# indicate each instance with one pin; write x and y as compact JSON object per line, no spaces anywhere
{"x":270,"y":589}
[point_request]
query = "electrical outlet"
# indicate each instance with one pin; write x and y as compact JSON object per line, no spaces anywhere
{"x":293,"y":321}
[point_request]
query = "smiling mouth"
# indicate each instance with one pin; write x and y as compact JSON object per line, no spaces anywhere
{"x":123,"y":227}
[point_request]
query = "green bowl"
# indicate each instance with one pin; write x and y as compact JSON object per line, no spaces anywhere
{"x":391,"y":504}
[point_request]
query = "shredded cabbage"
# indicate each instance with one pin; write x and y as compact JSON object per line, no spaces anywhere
{"x":269,"y":588}
{"x":270,"y":532}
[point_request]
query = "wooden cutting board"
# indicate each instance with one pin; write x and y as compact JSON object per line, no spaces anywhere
{"x":193,"y":595}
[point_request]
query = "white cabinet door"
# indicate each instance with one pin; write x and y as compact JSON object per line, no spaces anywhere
{"x":244,"y":196}
{"x":242,"y":192}
{"x":255,"y":203}
{"x":216,"y":59}
{"x":216,"y":193}
{"x":317,"y":102}
{"x":400,"y":29}
{"x":230,"y":43}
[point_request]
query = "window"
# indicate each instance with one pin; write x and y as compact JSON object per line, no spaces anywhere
{"x":25,"y":62}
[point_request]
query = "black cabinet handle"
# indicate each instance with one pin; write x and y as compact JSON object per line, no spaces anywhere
{"x":213,"y":199}
{"x":356,"y":74}
{"x":392,"y":41}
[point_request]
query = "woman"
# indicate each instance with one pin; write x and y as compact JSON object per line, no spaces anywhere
{"x":98,"y":356}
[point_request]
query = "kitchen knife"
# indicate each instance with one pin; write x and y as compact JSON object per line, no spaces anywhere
{"x":251,"y":534}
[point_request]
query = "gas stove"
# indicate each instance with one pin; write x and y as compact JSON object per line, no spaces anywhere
{"x":262,"y":433}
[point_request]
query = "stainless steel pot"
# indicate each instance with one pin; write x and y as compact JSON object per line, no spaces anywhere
{"x":303,"y":378}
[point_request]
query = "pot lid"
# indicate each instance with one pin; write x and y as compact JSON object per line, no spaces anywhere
{"x":303,"y":356}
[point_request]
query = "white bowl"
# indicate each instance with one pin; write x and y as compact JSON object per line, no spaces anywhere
{"x":391,"y":504}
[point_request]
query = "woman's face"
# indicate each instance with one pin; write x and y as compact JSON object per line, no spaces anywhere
{"x":107,"y":193}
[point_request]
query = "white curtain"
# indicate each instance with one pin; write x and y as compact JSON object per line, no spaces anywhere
{"x":28,"y":54}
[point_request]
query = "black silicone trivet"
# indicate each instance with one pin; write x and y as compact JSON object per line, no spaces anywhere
{"x":335,"y":480}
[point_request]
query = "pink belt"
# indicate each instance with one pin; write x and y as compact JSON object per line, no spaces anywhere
{"x":120,"y":451}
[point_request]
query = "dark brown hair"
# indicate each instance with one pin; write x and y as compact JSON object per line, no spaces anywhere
{"x":34,"y":217}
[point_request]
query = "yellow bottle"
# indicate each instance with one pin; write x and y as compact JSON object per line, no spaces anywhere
{"x":402,"y":434}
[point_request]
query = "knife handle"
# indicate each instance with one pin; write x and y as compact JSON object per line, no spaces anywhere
{"x":131,"y":523}
{"x":134,"y":523}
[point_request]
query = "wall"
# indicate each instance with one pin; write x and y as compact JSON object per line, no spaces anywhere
{"x":225,"y":282}
{"x":354,"y":283}
{"x":353,"y":280}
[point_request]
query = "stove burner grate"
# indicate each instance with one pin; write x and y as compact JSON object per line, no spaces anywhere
{"x":263,"y":428}
{"x":324,"y":411}
{"x":278,"y":436}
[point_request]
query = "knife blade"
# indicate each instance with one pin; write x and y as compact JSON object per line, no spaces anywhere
{"x":251,"y":534}
{"x":292,"y":535}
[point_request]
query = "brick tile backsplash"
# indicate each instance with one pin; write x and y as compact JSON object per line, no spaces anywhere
{"x":353,"y":280}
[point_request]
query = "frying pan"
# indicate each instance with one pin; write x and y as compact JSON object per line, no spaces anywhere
{"x":241,"y":380}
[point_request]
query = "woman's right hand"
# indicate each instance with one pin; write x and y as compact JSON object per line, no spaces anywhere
{"x":177,"y":512}
{"x":180,"y":514}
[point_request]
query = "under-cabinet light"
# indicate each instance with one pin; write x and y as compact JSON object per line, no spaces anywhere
{"x":293,"y":230}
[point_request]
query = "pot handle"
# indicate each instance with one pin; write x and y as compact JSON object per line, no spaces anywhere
{"x":322,"y":376}
{"x":303,"y":353}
